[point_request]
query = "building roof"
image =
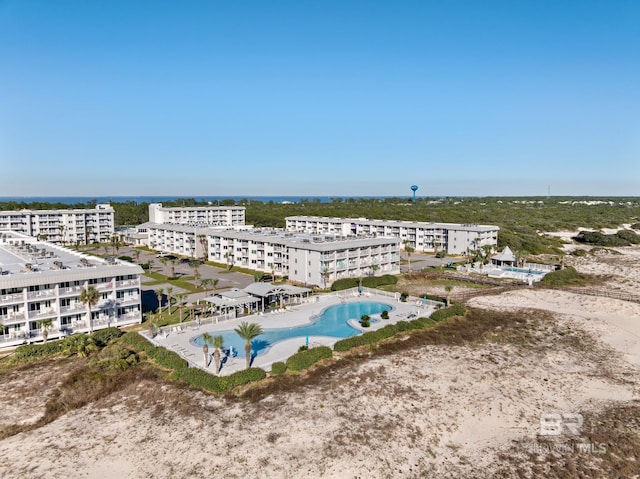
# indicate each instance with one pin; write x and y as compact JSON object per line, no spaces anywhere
{"x":396,"y":223}
{"x":267,"y":289}
{"x":505,"y":255}
{"x":26,"y":261}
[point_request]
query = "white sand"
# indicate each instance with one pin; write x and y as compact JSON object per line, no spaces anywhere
{"x":440,"y":411}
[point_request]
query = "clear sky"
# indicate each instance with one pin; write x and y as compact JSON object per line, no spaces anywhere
{"x":324,"y":97}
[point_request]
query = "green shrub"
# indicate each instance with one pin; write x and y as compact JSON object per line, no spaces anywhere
{"x":126,"y":258}
{"x":136,"y":342}
{"x":245,"y":376}
{"x":198,"y":378}
{"x":404,"y":296}
{"x":635,"y":226}
{"x":564,"y":277}
{"x":30,"y":352}
{"x":629,"y":236}
{"x":600,"y":239}
{"x":384,"y":314}
{"x":278,"y":368}
{"x":365,"y":321}
{"x":115,"y":358}
{"x":167,"y":358}
{"x":444,"y":313}
{"x":304,"y":359}
{"x":579,"y":252}
{"x":304,"y":347}
{"x":368,"y":282}
{"x":103,"y":337}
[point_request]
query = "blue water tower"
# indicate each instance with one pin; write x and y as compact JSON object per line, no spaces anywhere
{"x":414,"y":188}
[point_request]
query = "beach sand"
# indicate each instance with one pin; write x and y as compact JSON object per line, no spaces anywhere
{"x":436,"y":411}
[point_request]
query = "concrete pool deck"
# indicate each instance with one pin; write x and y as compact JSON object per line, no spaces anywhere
{"x":179,"y":337}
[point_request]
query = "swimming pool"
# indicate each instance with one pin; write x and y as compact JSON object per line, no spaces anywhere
{"x":523,"y":270}
{"x":332,"y":321}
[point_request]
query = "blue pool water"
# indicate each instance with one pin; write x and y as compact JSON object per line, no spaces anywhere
{"x":523,"y":270}
{"x":331,"y":322}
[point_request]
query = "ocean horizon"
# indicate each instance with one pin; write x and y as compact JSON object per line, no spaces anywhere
{"x":159,"y":199}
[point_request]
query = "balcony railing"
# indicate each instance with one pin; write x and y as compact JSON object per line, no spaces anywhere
{"x":47,"y":293}
{"x":73,"y":308}
{"x":72,"y":290}
{"x":13,"y":297}
{"x":50,"y":313}
{"x":127,"y":282}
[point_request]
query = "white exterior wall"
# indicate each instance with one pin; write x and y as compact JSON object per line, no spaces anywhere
{"x":426,"y":237}
{"x":73,"y":226}
{"x":197,"y":215}
{"x":284,"y":254}
{"x":28,"y":296}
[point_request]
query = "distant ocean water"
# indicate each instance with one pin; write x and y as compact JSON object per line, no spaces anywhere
{"x":159,"y":199}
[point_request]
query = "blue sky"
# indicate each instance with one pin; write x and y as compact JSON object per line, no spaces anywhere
{"x":319,"y":97}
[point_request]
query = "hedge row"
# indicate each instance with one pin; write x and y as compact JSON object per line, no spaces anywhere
{"x":201,"y":379}
{"x":380,"y":334}
{"x":392,"y":329}
{"x":304,"y":359}
{"x":444,"y":313}
{"x":369,"y":282}
{"x":29,"y":352}
{"x":195,"y":377}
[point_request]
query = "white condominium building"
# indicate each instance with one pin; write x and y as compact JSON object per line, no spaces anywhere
{"x":43,"y":281}
{"x":422,"y":236}
{"x":308,"y":259}
{"x":197,"y":215}
{"x":67,"y":226}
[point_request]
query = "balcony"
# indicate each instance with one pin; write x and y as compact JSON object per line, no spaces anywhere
{"x":70,"y":291}
{"x":73,"y":308}
{"x":12,"y":298}
{"x":12,"y":317}
{"x":49,"y":313}
{"x":127,"y":282}
{"x":47,"y":293}
{"x":104,"y":286}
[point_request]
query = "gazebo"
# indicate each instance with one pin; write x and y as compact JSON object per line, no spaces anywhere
{"x":233,"y":300}
{"x":276,"y":293}
{"x":504,"y":258}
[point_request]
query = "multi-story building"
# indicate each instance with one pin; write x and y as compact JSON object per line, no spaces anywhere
{"x":197,"y":215}
{"x":422,"y":236}
{"x":43,"y":281}
{"x":307,"y":259}
{"x":67,"y":226}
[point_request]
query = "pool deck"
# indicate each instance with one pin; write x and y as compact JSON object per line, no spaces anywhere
{"x":294,"y":315}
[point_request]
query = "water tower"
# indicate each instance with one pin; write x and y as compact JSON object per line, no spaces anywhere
{"x":414,"y":188}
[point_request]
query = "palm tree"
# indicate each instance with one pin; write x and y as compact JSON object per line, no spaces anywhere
{"x":136,"y":252}
{"x":181,"y":297}
{"x":248,"y":331}
{"x":325,"y":277}
{"x":448,"y":288}
{"x":409,"y":249}
{"x":169,"y":291}
{"x":165,"y":261}
{"x":196,"y":275}
{"x":374,"y":269}
{"x":173,"y":267}
{"x":218,"y":342}
{"x":45,"y":324}
{"x":159,"y":293}
{"x":207,"y":339}
{"x":205,"y":247}
{"x":90,"y":297}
